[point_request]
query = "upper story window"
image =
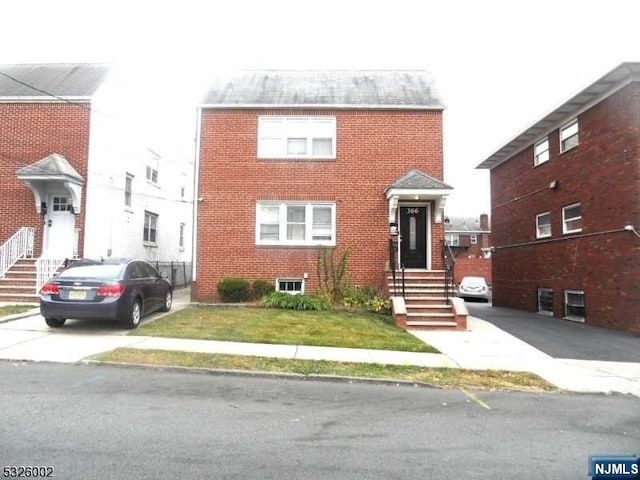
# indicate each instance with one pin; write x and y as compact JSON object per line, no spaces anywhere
{"x":541,"y":152}
{"x":543,"y":225}
{"x":452,"y":239}
{"x":152,"y":174}
{"x":128,"y":183}
{"x":149,"y":234}
{"x":295,"y":223}
{"x":181,"y":237}
{"x":569,"y":136}
{"x":572,"y":218}
{"x":473,"y":238}
{"x":297,"y":137}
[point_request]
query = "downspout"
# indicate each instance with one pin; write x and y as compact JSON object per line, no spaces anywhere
{"x":196,"y":201}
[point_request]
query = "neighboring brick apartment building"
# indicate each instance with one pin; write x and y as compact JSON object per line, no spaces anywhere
{"x":293,"y":160}
{"x":566,"y":208}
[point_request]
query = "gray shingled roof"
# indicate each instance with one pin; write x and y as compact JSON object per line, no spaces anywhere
{"x":463,"y":224}
{"x":58,"y":79}
{"x":412,"y":89}
{"x":598,"y":90}
{"x":417,"y":180}
{"x":55,"y":165}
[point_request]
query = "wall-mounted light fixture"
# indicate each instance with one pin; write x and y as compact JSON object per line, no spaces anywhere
{"x":554,"y":184}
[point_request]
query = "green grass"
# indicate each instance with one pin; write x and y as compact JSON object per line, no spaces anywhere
{"x":12,"y":309}
{"x":333,"y":328}
{"x":441,"y":377}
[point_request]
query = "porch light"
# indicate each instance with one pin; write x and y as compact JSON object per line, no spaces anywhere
{"x":416,"y":197}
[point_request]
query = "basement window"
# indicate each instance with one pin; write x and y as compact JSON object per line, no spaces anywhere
{"x":290,"y":285}
{"x":545,"y":301}
{"x":574,"y":305}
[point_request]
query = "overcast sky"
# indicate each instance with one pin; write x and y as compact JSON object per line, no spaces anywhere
{"x":499,"y":65}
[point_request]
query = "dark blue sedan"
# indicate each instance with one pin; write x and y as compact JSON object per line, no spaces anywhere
{"x":119,"y":290}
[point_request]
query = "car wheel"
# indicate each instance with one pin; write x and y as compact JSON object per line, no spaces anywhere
{"x":55,"y":322}
{"x":135,"y":314}
{"x":168,"y":300}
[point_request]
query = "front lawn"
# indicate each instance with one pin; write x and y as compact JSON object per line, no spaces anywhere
{"x":13,"y":309}
{"x":330,"y":328}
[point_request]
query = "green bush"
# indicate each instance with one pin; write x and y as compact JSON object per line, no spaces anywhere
{"x":261,"y":288}
{"x":294,"y":302}
{"x":369,"y":298}
{"x":233,"y":290}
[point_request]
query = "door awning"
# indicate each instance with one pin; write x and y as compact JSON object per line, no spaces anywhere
{"x":417,"y":186}
{"x":39,"y":176}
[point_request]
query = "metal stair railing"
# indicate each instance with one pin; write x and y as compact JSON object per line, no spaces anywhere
{"x":19,"y":245}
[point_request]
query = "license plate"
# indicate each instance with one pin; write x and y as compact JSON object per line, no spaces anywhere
{"x":77,"y":295}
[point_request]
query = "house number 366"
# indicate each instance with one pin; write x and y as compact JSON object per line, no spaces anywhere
{"x":413,"y":211}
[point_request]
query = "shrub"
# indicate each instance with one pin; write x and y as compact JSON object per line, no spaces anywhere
{"x":234,"y":290}
{"x":261,"y":288}
{"x":331,"y":273}
{"x":294,"y":302}
{"x":369,"y":298}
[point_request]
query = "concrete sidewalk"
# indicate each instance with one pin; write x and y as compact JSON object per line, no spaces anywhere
{"x":482,"y":347}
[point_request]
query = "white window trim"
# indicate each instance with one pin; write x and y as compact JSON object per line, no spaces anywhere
{"x":452,"y":239}
{"x":290,"y":279}
{"x":473,"y":239}
{"x":128,"y":177}
{"x":565,"y":219}
{"x":536,"y":156}
{"x":565,"y":127}
{"x":538,"y":234}
{"x":296,"y":127}
{"x":282,"y":223}
{"x":149,"y":172}
{"x":150,"y":243}
{"x":565,"y":304}
{"x":545,"y":312}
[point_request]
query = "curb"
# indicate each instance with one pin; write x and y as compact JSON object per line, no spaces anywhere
{"x":264,"y":374}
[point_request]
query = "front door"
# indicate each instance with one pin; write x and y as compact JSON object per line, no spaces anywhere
{"x":59,"y":227}
{"x":413,"y":236}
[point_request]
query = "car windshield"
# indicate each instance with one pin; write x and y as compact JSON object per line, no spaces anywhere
{"x":101,"y":272}
{"x":473,"y":281}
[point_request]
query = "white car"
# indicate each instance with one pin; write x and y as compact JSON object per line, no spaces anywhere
{"x":474,"y":287}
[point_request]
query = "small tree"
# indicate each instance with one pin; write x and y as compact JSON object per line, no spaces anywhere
{"x":331,"y":274}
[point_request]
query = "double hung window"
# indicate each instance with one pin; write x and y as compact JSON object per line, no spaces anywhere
{"x":541,"y":152}
{"x":297,"y":137}
{"x":543,"y":225}
{"x":572,"y":218}
{"x":569,"y":136}
{"x":150,"y":228}
{"x":295,"y":223}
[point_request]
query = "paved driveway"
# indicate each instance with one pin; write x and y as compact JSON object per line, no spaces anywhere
{"x":561,"y":338}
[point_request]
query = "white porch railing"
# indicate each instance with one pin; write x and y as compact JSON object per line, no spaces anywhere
{"x":20,"y":245}
{"x":45,"y":268}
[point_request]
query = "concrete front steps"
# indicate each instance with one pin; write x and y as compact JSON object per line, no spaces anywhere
{"x":424,"y":304}
{"x":19,"y":283}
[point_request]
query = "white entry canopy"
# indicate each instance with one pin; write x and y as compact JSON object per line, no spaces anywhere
{"x":417,"y":186}
{"x":53,"y":170}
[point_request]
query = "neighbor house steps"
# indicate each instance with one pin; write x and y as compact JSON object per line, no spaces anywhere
{"x":19,"y":283}
{"x":425,"y":302}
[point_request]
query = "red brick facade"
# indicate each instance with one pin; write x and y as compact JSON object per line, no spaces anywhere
{"x":603,"y":260}
{"x":30,"y":132}
{"x":374,"y":148}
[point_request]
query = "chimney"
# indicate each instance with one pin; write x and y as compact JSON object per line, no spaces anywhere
{"x":484,"y":222}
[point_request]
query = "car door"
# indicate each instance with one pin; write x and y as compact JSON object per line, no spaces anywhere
{"x":154,"y":287}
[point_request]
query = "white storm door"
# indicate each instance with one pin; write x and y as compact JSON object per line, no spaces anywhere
{"x":60,"y":227}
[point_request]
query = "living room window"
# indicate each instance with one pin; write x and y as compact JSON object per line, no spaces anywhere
{"x":295,"y":223}
{"x":543,"y":225}
{"x":150,"y":228}
{"x":541,"y":152}
{"x":569,"y":136}
{"x":574,"y":305}
{"x":545,"y":301}
{"x":572,"y":218}
{"x":297,"y":137}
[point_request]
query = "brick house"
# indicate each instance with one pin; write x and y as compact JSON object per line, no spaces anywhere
{"x":566,"y":208}
{"x":75,"y":183}
{"x":470,"y":241}
{"x":293,"y":160}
